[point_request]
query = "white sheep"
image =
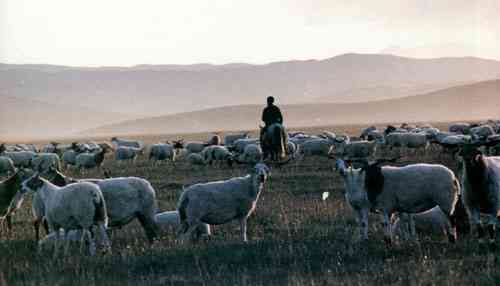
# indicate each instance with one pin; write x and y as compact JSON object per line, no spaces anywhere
{"x":43,"y":161}
{"x":127,"y":143}
{"x":124,"y":153}
{"x":6,"y":165}
{"x":240,"y":144}
{"x":90,"y":160}
{"x":411,"y":189}
{"x":318,"y":147}
{"x":162,"y":151}
{"x":195,"y":159}
{"x":482,"y":132}
{"x":480,"y":177}
{"x":217,"y":154}
{"x":21,"y":159}
{"x":461,"y":128}
{"x":251,"y":155}
{"x":357,"y":150}
{"x":195,"y":147}
{"x":407,"y":140}
{"x":169,"y":222}
{"x":231,"y":138}
{"x":76,"y":206}
{"x":219,"y":202}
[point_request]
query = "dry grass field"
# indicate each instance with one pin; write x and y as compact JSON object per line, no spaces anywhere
{"x":296,"y":238}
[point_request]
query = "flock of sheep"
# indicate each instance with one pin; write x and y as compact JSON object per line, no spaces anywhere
{"x":416,"y":196}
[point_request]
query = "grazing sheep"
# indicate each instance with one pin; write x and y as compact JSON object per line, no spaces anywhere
{"x":462,"y":128}
{"x":240,"y":144}
{"x":126,"y":198}
{"x":230,"y":139}
{"x":481,"y":187}
{"x":251,"y":155}
{"x":169,"y":221}
{"x":407,"y":140}
{"x":195,"y":147}
{"x":219,"y":202}
{"x":195,"y":159}
{"x":318,"y":147}
{"x":359,"y":150}
{"x":90,"y":160}
{"x":124,"y":153}
{"x":410,"y":189}
{"x":43,"y":161}
{"x":127,"y":143}
{"x":161,"y":151}
{"x":482,"y":132}
{"x":6,"y":165}
{"x":9,"y":200}
{"x":215,"y":140}
{"x":73,"y":207}
{"x":21,"y":159}
{"x":217,"y":154}
{"x":69,"y":155}
{"x":73,"y":236}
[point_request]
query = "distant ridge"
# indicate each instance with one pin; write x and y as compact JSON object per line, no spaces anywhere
{"x":467,"y":102}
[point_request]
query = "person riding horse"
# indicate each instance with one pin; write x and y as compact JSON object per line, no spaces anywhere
{"x":272,"y":115}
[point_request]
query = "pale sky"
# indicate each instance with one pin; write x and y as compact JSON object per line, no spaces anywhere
{"x":123,"y":33}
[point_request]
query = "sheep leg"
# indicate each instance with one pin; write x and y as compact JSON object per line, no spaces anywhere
{"x":189,"y":232}
{"x":56,"y":242}
{"x":363,"y":222}
{"x":476,"y":220}
{"x":104,"y":236}
{"x":411,"y":222}
{"x":36,"y":225}
{"x":8,"y":218}
{"x":387,"y":229}
{"x":66,"y":242}
{"x":149,"y":226}
{"x":492,"y":221}
{"x":243,"y":229}
{"x":91,"y":239}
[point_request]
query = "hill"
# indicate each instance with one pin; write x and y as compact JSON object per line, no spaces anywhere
{"x":466,"y":102}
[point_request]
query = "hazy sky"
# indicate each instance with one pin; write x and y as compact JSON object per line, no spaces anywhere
{"x":108,"y":32}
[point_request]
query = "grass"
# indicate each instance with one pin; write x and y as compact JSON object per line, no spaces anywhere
{"x":296,"y":238}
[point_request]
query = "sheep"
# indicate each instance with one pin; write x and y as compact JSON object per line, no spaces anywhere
{"x":433,"y":221}
{"x":76,"y":206}
{"x":27,"y":147}
{"x":411,"y":189}
{"x":43,"y":161}
{"x":410,"y":140}
{"x":219,"y":202}
{"x":292,"y":149}
{"x":6,"y":165}
{"x":359,"y":150}
{"x":366,"y":132}
{"x":482,"y":132}
{"x":69,"y":156}
{"x":10,"y":201}
{"x":169,"y":221}
{"x":217,"y":154}
{"x":480,"y":176}
{"x":73,"y":236}
{"x":319,"y":147}
{"x":214,"y":140}
{"x":127,"y":143}
{"x":90,"y":160}
{"x":126,"y":198}
{"x":240,"y":144}
{"x":195,"y":159}
{"x":251,"y":155}
{"x":195,"y":147}
{"x":50,"y":148}
{"x":462,"y":128}
{"x":126,"y":153}
{"x":229,"y":139}
{"x":21,"y":159}
{"x":161,"y":151}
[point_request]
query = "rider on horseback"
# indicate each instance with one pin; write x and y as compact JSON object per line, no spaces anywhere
{"x":272,"y":115}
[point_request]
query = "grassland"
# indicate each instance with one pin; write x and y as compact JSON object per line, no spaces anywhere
{"x":296,"y":238}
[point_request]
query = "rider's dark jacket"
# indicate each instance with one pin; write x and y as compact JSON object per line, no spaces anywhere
{"x":272,"y":114}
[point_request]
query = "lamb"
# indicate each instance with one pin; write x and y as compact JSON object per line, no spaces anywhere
{"x":411,"y":189}
{"x":169,"y":221}
{"x":481,"y":187}
{"x":161,"y":151}
{"x":73,"y":236}
{"x":124,"y":153}
{"x":90,"y":160}
{"x":217,"y":154}
{"x":219,"y":202}
{"x":9,"y":200}
{"x":230,"y":139}
{"x":6,"y":165}
{"x":195,"y":159}
{"x":43,"y":161}
{"x":408,"y":140}
{"x":76,"y":206}
{"x":126,"y":198}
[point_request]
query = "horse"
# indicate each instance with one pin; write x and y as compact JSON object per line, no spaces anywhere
{"x":273,"y":141}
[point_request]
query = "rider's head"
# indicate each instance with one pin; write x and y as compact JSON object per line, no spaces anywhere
{"x":270,"y":100}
